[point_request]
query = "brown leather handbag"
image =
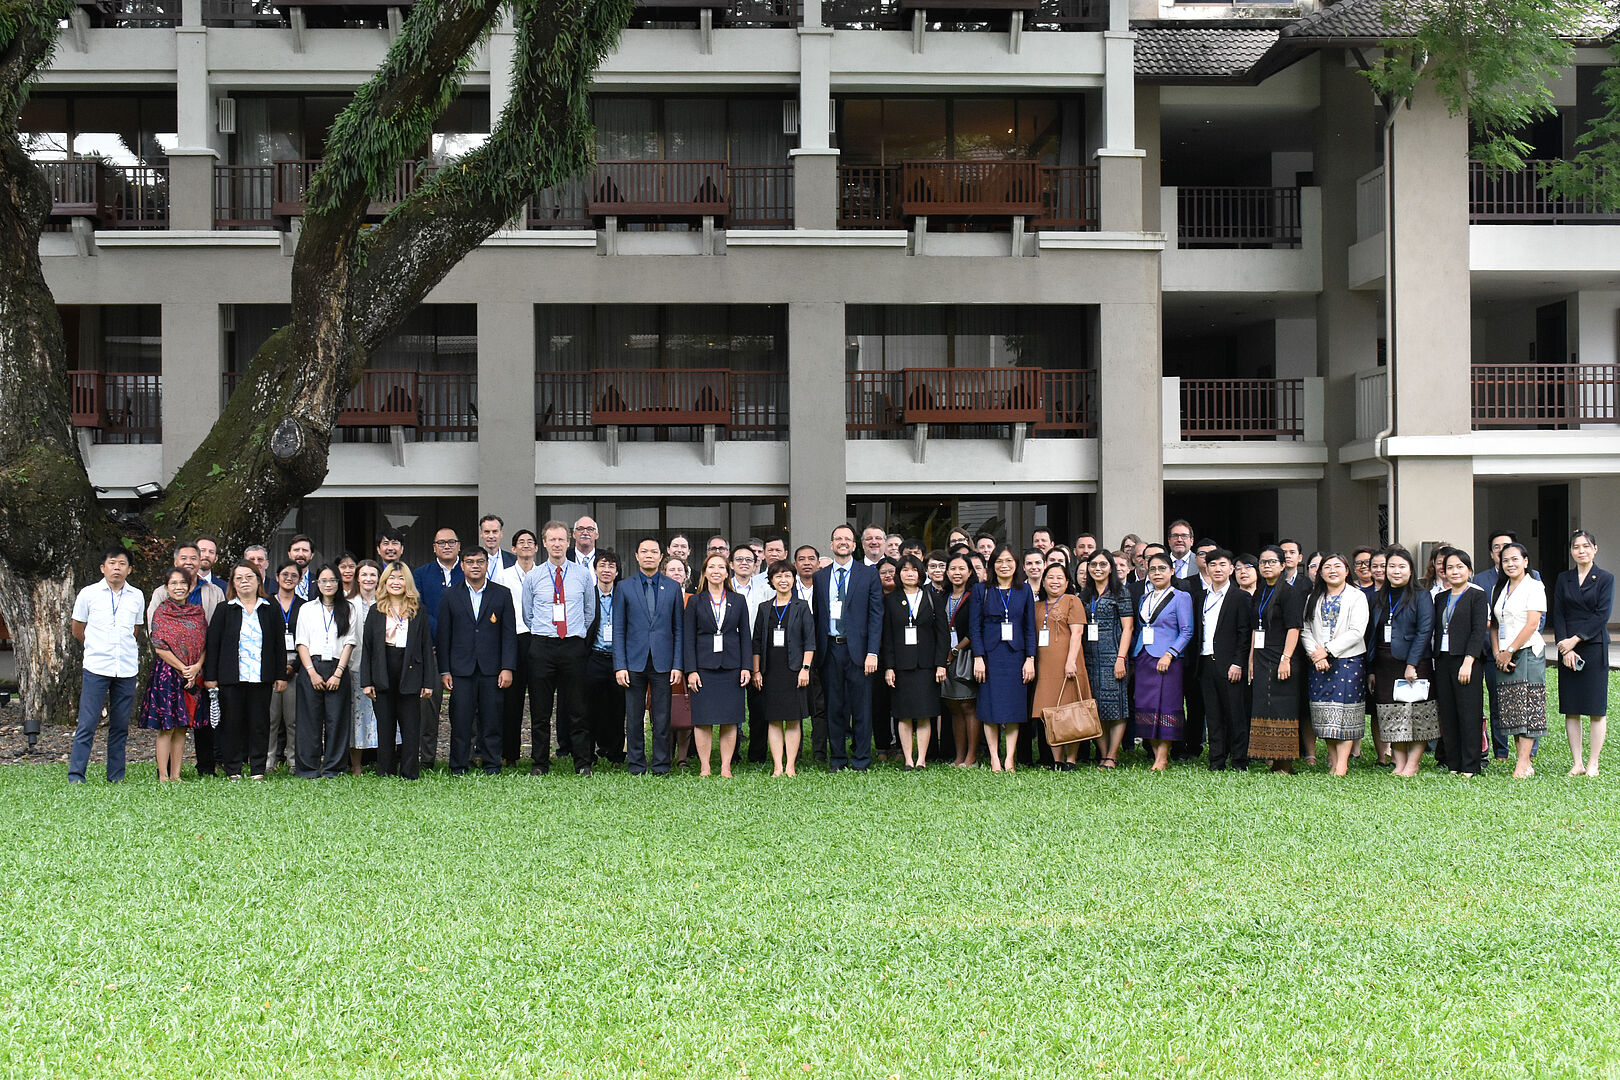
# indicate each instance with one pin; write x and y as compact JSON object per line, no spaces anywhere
{"x":1073,"y":722}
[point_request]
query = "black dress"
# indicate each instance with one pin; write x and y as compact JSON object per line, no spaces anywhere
{"x":1581,"y":609}
{"x":783,"y":699}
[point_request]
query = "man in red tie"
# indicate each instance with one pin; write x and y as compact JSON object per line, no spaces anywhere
{"x":559,"y":603}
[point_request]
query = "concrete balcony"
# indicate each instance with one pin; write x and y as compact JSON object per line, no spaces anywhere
{"x":1249,"y":430}
{"x":1230,"y":239}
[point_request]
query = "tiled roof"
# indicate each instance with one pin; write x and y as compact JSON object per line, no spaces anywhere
{"x":1201,"y":52}
{"x":1360,"y":20}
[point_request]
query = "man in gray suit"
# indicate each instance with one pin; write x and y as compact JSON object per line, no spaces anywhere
{"x":648,"y":625}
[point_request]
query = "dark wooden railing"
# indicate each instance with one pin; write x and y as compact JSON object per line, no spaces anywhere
{"x":1072,"y":15}
{"x":1519,"y":198}
{"x":1223,"y":409}
{"x":113,"y":196}
{"x":119,"y":407}
{"x":1238,"y":217}
{"x":564,"y":206}
{"x":884,"y":196}
{"x":291,"y":181}
{"x":970,"y":402}
{"x":1546,"y":396}
{"x":761,"y":196}
{"x":659,"y":189}
{"x":132,"y":13}
{"x":729,"y":13}
{"x":243,"y":196}
{"x":666,"y":404}
{"x":438,"y":406}
{"x":77,"y":189}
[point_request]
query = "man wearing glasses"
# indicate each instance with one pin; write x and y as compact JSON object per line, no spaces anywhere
{"x":1181,"y":557}
{"x":432,"y":581}
{"x":583,"y":549}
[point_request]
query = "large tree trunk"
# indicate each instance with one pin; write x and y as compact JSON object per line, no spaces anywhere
{"x":351,"y":289}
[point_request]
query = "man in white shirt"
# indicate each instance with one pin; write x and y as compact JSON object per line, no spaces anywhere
{"x":872,"y":540}
{"x":1291,"y":559}
{"x":491,"y":531}
{"x":106,"y":618}
{"x":583,"y":549}
{"x":525,"y":549}
{"x":806,"y":561}
{"x":559,"y":597}
{"x":755,"y":590}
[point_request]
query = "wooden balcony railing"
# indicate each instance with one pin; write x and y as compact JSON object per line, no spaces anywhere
{"x":118,"y":407}
{"x":1071,"y":15}
{"x":436,"y":406}
{"x":970,"y":400}
{"x":1545,"y":396}
{"x":291,"y":181}
{"x":1519,"y":198}
{"x":132,"y":13}
{"x":342,"y":14}
{"x":1223,"y":409}
{"x":761,"y":196}
{"x":884,"y":196}
{"x":564,"y":206}
{"x":728,"y":13}
{"x":667,"y":405}
{"x":1238,"y":217}
{"x":243,"y":196}
{"x":681,"y":189}
{"x":113,"y":196}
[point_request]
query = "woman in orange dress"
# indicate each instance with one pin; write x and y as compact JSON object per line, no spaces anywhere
{"x":1060,"y":622}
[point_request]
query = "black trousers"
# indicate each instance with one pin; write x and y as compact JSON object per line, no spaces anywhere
{"x":604,"y":709}
{"x":512,"y":704}
{"x":883,"y":739}
{"x":244,"y":728}
{"x":1192,"y":743}
{"x":649,"y":691}
{"x":323,"y":724}
{"x":475,"y":722}
{"x":818,"y":714}
{"x":558,"y":669}
{"x":849,"y":708}
{"x":400,"y":713}
{"x":209,"y":753}
{"x":1462,"y":712}
{"x":1225,"y":716}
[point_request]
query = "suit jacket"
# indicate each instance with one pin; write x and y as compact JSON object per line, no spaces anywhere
{"x":572,"y":555}
{"x":501,"y":561}
{"x":1172,"y":627}
{"x":933,"y":633}
{"x":430,"y":587}
{"x":1583,"y":610}
{"x":986,"y":617}
{"x":421,"y":667}
{"x":485,"y":644}
{"x":863,"y":611}
{"x":640,"y":636}
{"x":737,"y":642}
{"x":797,"y":623}
{"x":960,"y":622}
{"x":1466,"y":632}
{"x":1410,"y":630}
{"x":209,"y":597}
{"x":1234,"y":630}
{"x":220,"y":661}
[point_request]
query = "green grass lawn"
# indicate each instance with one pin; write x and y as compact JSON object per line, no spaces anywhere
{"x":1087,"y":924}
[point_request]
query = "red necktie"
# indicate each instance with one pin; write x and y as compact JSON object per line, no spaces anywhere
{"x":557,"y":589}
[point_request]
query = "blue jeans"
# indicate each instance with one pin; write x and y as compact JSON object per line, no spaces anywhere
{"x":119,"y":697}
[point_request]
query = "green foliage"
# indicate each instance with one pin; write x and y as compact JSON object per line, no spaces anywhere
{"x":216,"y":470}
{"x":1594,"y":171}
{"x":1493,"y":59}
{"x":40,"y":20}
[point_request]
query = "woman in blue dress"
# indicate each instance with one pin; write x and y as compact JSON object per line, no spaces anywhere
{"x":1002,"y":619}
{"x":1110,"y":621}
{"x":1164,"y":630}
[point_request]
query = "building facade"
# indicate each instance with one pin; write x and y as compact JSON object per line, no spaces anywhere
{"x":1076,"y":263}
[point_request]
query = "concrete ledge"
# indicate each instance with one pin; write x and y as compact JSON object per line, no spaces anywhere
{"x":953,"y":466}
{"x":119,"y":468}
{"x":204,"y":238}
{"x":1100,"y":241}
{"x":830,"y":238}
{"x":660,"y":468}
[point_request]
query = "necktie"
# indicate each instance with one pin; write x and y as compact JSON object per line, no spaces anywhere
{"x":843,"y":575}
{"x":560,"y":598}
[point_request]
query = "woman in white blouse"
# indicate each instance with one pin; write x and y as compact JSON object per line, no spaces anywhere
{"x":1334,"y":640}
{"x":325,"y":641}
{"x":364,"y":715}
{"x":1517,"y":604}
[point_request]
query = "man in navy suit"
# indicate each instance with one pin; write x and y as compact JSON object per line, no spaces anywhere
{"x":433,"y":580}
{"x":477,"y":645}
{"x":491,"y":533}
{"x":648,"y":626}
{"x":849,"y":624}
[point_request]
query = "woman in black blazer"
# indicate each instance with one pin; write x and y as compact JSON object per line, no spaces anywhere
{"x":1583,"y":600}
{"x":784,"y":648}
{"x":246,"y":668}
{"x":398,"y":670}
{"x":719,"y":663}
{"x":916,"y":641}
{"x":960,"y":695}
{"x":1461,"y":613}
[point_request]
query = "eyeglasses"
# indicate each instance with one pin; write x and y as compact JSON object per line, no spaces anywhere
{"x":445,"y":543}
{"x":1269,"y":562}
{"x":1362,"y":564}
{"x":585,"y":528}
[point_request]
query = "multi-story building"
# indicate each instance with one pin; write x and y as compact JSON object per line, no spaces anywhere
{"x":1082,"y":263}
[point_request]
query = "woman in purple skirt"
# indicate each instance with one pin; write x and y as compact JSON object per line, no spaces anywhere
{"x":1164,"y":630}
{"x":178,"y":632}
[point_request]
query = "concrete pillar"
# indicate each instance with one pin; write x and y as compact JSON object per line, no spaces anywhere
{"x":1347,"y":324}
{"x":1149,"y":141}
{"x":816,"y":398}
{"x":1130,"y":476}
{"x":191,"y":379}
{"x":1428,"y":293}
{"x":815,"y":188}
{"x":506,"y":458}
{"x":1119,"y":184}
{"x":502,"y":48}
{"x":191,"y":162}
{"x":815,"y":162}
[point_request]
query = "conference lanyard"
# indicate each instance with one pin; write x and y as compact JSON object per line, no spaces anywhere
{"x":1214,"y":602}
{"x":1006,"y":604}
{"x":1264,"y":600}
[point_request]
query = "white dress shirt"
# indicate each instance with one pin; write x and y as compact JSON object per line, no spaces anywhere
{"x":110,"y":619}
{"x":1212,"y":615}
{"x":512,"y":578}
{"x":317,"y":631}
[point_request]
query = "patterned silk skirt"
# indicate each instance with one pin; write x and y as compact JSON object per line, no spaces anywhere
{"x":1274,"y":727}
{"x":1339,"y":698}
{"x":1160,"y":706}
{"x":1521,"y":695}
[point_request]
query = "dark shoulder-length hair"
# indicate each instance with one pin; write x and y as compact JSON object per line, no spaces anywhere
{"x":1501,"y":577}
{"x":1319,"y":586}
{"x":1393,"y":599}
{"x":995,"y":556}
{"x":1088,"y":586}
{"x":340,"y":603}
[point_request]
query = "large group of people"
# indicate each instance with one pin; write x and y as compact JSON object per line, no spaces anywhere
{"x":885,"y":649}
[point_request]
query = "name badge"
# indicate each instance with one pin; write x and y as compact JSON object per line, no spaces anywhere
{"x":1259,"y":639}
{"x":290,"y":645}
{"x":779,"y":638}
{"x":911,"y":635}
{"x":1006,"y":631}
{"x":1388,"y":630}
{"x":835,"y":609}
{"x":559,"y":613}
{"x":1091,"y":631}
{"x":719,"y":643}
{"x":607,"y":633}
{"x":1043,"y":638}
{"x":953,"y":639}
{"x":1147,"y":635}
{"x":1445,"y":642}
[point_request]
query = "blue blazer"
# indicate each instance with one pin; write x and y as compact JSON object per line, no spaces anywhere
{"x":1412,"y":631}
{"x":430,"y":587}
{"x":737,"y":649}
{"x":863,"y":611}
{"x":1172,"y":630}
{"x":486,"y":645}
{"x":640,"y":635}
{"x":1583,"y":610}
{"x":985,"y":617}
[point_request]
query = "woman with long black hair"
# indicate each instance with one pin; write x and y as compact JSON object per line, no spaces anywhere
{"x":1398,"y":638}
{"x":960,"y":695}
{"x":325,"y":638}
{"x":1002,"y":625}
{"x":1461,"y":627}
{"x":1518,"y":602}
{"x":1110,"y":624}
{"x":1334,"y":637}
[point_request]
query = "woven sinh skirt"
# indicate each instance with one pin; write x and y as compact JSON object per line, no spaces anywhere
{"x":1274,"y":727}
{"x":1402,"y":721}
{"x":1160,"y":709}
{"x":1521,"y":694}
{"x":1338,"y":699}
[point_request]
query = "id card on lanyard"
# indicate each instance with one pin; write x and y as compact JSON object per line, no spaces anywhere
{"x":1006,"y":615}
{"x":779,"y":635}
{"x":1043,"y":637}
{"x":719,"y":623}
{"x":911,"y":619}
{"x":1445,"y":629}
